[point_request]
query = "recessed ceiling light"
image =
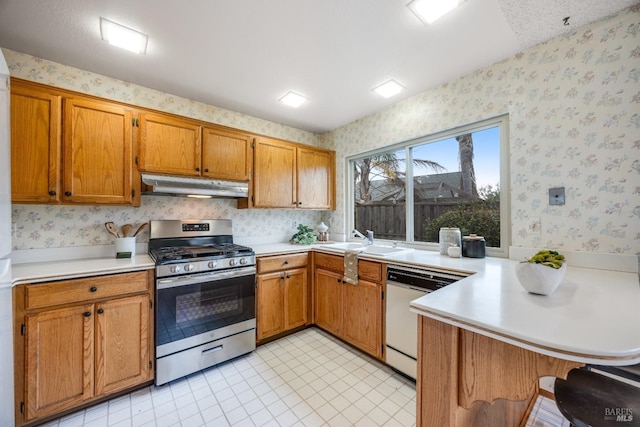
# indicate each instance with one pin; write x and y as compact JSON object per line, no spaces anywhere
{"x":388,"y":89}
{"x":123,"y":37}
{"x":293,"y":99}
{"x":430,"y":10}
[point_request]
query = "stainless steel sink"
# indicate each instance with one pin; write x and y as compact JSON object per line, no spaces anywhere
{"x":378,"y":250}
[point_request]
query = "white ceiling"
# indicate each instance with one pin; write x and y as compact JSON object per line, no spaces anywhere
{"x":244,"y":55}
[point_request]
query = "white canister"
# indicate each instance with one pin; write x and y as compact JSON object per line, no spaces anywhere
{"x":449,"y":236}
{"x":125,"y":247}
{"x":454,"y":251}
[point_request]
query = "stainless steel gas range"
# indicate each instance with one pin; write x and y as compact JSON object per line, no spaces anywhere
{"x":205,"y":296}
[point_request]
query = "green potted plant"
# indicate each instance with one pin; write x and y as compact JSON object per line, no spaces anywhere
{"x":304,"y":236}
{"x":542,"y":273}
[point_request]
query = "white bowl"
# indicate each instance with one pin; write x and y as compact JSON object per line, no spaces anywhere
{"x":539,"y":279}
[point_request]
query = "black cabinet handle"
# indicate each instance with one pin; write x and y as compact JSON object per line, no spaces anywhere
{"x":197,"y":169}
{"x":67,"y":193}
{"x":339,"y":280}
{"x":288,"y":276}
{"x":286,"y":262}
{"x":93,"y":289}
{"x":52,"y":193}
{"x":206,"y":169}
{"x":87,"y":314}
{"x":100,"y":310}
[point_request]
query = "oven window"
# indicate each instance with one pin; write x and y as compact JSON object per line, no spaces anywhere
{"x":190,"y":310}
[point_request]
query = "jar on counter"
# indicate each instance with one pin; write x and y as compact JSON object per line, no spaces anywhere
{"x":473,"y":246}
{"x":449,"y":236}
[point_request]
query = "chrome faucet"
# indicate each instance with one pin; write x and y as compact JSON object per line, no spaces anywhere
{"x":368,"y":237}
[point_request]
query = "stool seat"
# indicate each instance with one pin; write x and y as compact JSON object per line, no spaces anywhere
{"x":586,"y":399}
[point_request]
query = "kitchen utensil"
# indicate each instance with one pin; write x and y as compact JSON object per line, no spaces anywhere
{"x":126,"y":230}
{"x":142,"y":227}
{"x":112,"y":229}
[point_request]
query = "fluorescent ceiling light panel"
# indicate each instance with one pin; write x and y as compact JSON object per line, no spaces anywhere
{"x":388,"y":89}
{"x":293,"y":99}
{"x":123,"y":37}
{"x":430,"y":10}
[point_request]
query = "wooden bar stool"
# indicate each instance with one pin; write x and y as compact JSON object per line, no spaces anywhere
{"x":590,"y":399}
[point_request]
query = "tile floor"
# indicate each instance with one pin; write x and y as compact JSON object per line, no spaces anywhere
{"x":306,"y":379}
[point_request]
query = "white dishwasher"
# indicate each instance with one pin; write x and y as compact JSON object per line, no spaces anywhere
{"x":405,"y":284}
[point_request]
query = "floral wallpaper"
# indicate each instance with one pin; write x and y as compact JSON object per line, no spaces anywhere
{"x":51,"y":226}
{"x":574,"y":122}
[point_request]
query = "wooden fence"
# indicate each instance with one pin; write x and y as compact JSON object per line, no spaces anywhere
{"x":388,"y":220}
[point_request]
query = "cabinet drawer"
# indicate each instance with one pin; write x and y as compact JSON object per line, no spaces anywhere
{"x":86,"y":289}
{"x":282,"y":262}
{"x":370,"y":270}
{"x":329,"y":262}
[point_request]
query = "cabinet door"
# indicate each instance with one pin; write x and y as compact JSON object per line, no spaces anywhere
{"x":315,"y":179}
{"x":226,"y":154}
{"x":328,"y":300}
{"x":59,"y":360}
{"x":274,"y":183}
{"x":35,"y":145}
{"x":270,"y":301}
{"x":296,"y":310}
{"x":363,"y":316}
{"x":97,"y":150}
{"x":122,"y":344}
{"x":169,"y":145}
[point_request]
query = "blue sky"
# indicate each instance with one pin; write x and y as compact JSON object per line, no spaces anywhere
{"x":486,"y":160}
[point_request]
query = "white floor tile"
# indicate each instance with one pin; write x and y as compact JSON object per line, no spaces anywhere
{"x":309,"y":379}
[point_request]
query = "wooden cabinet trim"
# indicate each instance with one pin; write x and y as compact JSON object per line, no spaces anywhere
{"x":371,"y":270}
{"x":79,"y":290}
{"x":329,"y":262}
{"x":282,"y":262}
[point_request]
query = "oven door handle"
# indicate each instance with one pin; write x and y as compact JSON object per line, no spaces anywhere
{"x":174,"y":282}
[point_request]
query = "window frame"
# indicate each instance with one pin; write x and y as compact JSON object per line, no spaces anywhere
{"x":505,"y":203}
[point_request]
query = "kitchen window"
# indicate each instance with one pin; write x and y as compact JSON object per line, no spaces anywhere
{"x":456,"y":178}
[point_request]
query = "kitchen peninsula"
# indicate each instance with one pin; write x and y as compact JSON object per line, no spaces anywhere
{"x":484,"y":341}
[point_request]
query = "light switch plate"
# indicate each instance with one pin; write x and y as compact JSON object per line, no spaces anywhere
{"x":556,"y":196}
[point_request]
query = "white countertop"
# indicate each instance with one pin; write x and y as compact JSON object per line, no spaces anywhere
{"x":36,"y":272}
{"x":593,"y":316}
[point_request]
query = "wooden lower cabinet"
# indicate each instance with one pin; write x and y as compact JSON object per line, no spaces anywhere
{"x":282,"y":296}
{"x":328,"y":300}
{"x":362,"y":316}
{"x":353,"y":313}
{"x":59,"y":363}
{"x":122,"y":343}
{"x":82,"y":349}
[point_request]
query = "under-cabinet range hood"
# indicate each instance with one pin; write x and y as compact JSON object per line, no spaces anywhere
{"x":197,"y":187}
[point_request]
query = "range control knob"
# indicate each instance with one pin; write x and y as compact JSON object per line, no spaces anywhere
{"x":233,"y":262}
{"x":174,"y":268}
{"x":188,"y":267}
{"x":212,"y":264}
{"x":243,"y":261}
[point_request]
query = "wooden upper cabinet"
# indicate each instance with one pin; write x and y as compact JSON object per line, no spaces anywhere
{"x":35,"y":144}
{"x":226,"y":154}
{"x":315,"y":179}
{"x":68,"y":148}
{"x":274,"y":175}
{"x":98,"y":149}
{"x":288,"y":175}
{"x":169,"y":145}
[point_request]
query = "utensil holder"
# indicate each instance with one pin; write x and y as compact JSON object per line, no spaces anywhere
{"x":125,"y":247}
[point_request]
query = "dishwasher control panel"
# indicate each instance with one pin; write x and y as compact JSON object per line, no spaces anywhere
{"x":420,"y":278}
